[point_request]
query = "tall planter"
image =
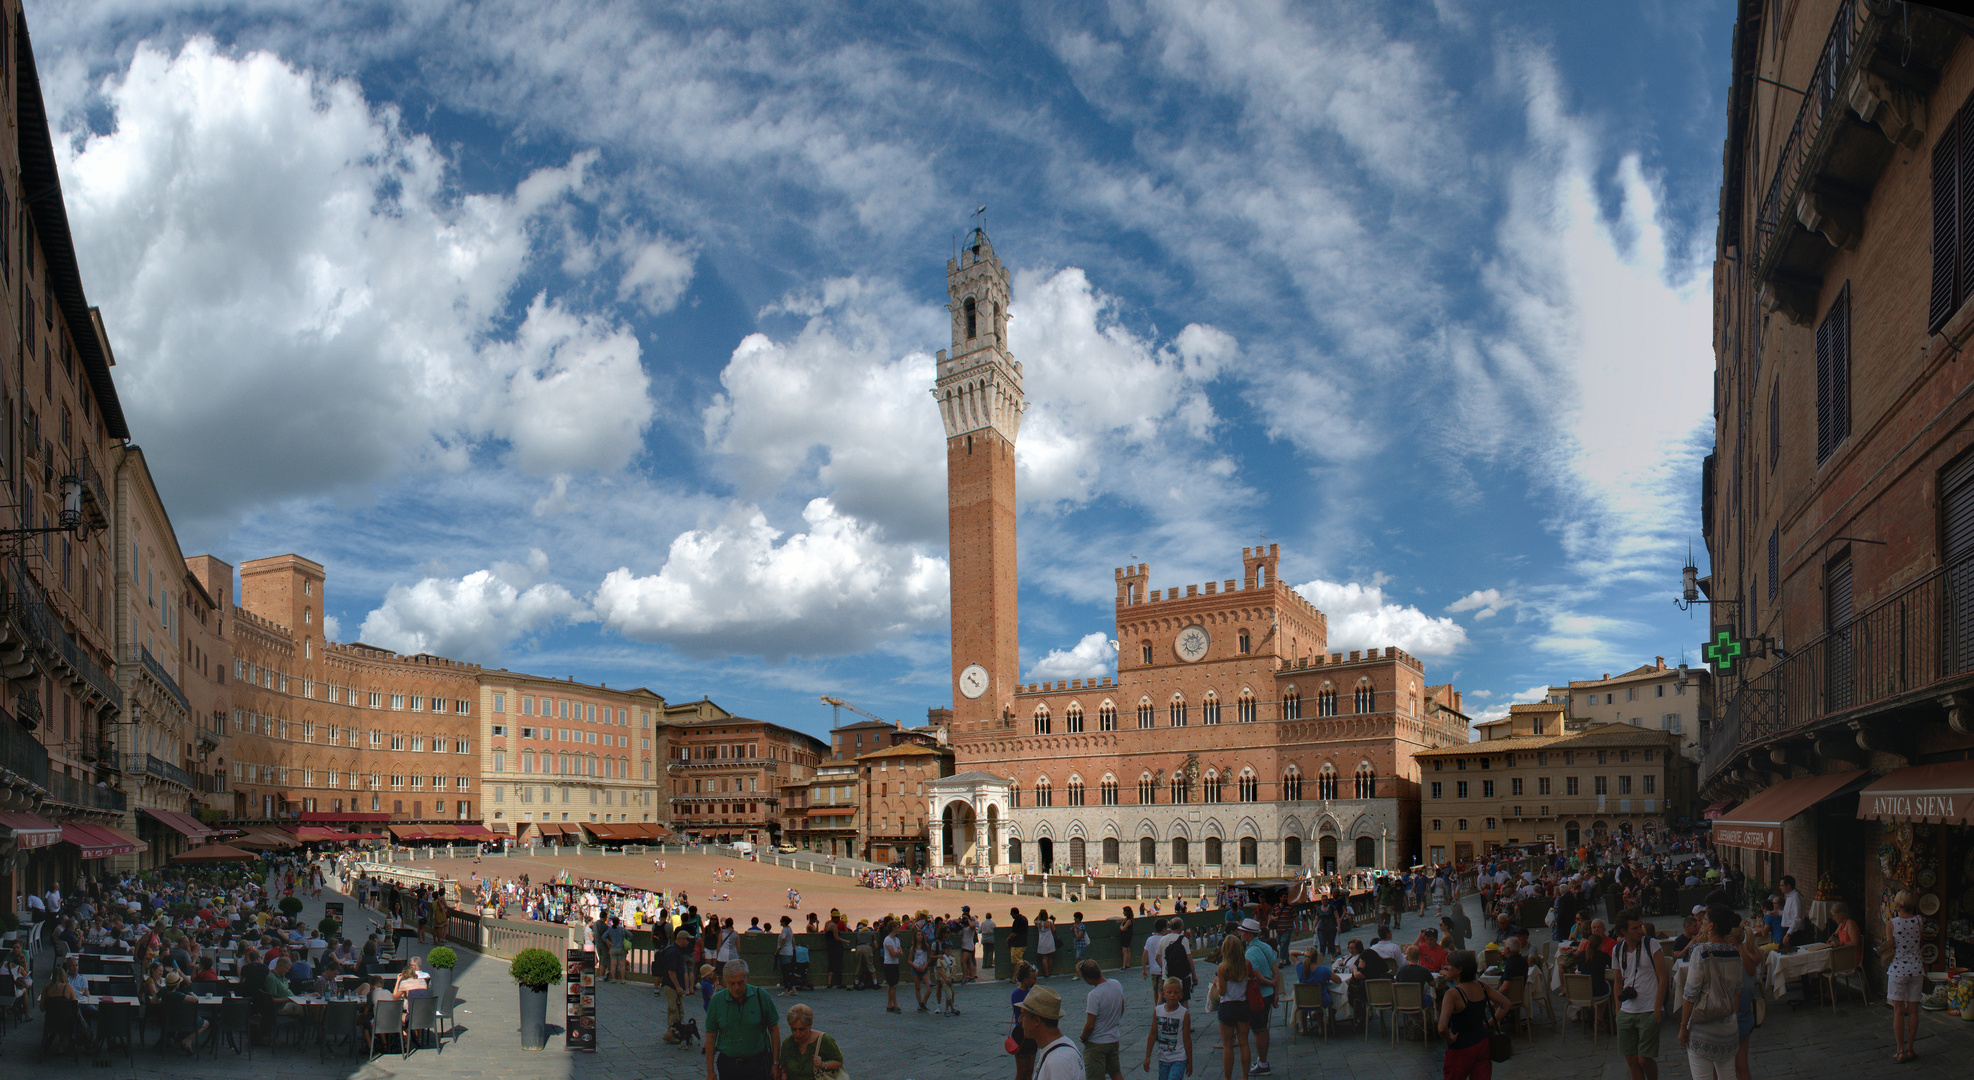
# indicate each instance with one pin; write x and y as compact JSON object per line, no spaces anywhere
{"x":534,"y":1017}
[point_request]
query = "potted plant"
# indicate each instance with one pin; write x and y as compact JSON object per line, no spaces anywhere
{"x":329,"y":927}
{"x":440,"y":962}
{"x":291,"y":906}
{"x":534,"y":971}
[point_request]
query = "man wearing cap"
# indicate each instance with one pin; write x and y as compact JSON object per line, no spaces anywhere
{"x":1262,"y":958}
{"x":1041,"y":1024}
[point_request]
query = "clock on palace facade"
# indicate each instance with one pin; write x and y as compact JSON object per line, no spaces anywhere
{"x":973,"y":681}
{"x":1191,"y":644}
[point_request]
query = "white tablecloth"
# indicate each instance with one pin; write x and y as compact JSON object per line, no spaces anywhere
{"x":1778,"y":970}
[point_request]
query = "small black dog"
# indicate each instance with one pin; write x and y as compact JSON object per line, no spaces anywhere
{"x":684,"y":1033}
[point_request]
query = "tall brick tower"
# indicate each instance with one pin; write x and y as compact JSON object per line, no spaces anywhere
{"x":981,"y":401}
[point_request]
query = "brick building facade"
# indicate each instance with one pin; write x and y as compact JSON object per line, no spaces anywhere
{"x":1241,"y":744}
{"x":726,"y":772}
{"x":558,"y":752}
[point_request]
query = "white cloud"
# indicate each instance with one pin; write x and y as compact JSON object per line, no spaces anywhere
{"x":741,"y":586}
{"x":1537,"y":693}
{"x":332,"y":628}
{"x":282,"y":265}
{"x":658,"y":273}
{"x":1091,"y":658}
{"x":1361,"y":618}
{"x":472,"y":617}
{"x":1484,"y":603}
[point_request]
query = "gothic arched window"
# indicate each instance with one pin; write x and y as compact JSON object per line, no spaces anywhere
{"x":1367,"y":698}
{"x":1213,"y":854}
{"x":1043,"y":796}
{"x":1108,"y":790}
{"x":1246,"y":709}
{"x":1326,"y":782}
{"x":1367,"y":781}
{"x":1107,"y":717}
{"x":1250,"y":786}
{"x":1147,"y":789}
{"x":972,"y":316}
{"x":1075,"y":790}
{"x":1041,"y":719}
{"x":1146,"y":714}
{"x":1292,"y":784}
{"x":1209,"y":709}
{"x":1326,"y":701}
{"x":1292,"y":704}
{"x":1074,"y":718}
{"x":1177,"y":711}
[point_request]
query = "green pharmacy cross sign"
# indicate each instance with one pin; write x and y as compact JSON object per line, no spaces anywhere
{"x":1722,"y":650}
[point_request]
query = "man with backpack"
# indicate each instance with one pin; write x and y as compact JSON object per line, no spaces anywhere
{"x":1178,"y":959}
{"x":743,"y":1031}
{"x":1641,"y":969}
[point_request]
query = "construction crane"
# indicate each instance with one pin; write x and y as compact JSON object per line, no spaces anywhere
{"x":837,"y":705}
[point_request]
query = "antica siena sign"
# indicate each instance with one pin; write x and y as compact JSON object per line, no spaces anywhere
{"x":1914,"y":807}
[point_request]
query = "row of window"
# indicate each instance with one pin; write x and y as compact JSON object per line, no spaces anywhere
{"x":609,"y":768}
{"x":1247,"y":788}
{"x":278,"y":728}
{"x":1542,"y":759}
{"x":571,"y":710}
{"x":1179,"y":851}
{"x":1631,"y":694}
{"x":252,"y":773}
{"x":570,"y":735}
{"x":1648,"y":785}
{"x":347,"y":695}
{"x":1178,"y":712}
{"x":597,"y":796}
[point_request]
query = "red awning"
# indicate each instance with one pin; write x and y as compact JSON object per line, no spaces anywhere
{"x":1925,"y":793}
{"x":611,"y":832}
{"x":408,"y":832}
{"x":185,"y":824}
{"x":1757,"y":824}
{"x":1715,"y":810}
{"x":318,"y":834}
{"x":99,"y":841}
{"x":28,"y":830}
{"x":339,"y":816}
{"x":476,"y":832}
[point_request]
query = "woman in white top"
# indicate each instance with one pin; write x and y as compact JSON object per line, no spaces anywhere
{"x":1230,"y":990}
{"x":1045,"y":941}
{"x":785,"y":956}
{"x":1905,"y":976}
{"x":413,"y":977}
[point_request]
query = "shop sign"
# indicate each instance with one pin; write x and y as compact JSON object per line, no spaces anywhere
{"x":1915,"y":807}
{"x":1755,"y":837}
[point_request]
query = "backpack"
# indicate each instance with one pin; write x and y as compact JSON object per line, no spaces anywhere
{"x":1719,"y":998}
{"x":1178,"y":963}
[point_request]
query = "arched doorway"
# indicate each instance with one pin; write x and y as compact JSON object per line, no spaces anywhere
{"x":1326,"y":851}
{"x":1180,"y":855}
{"x":1076,"y":854}
{"x":1214,"y":856}
{"x":956,"y":824}
{"x":1572,"y":834}
{"x":1367,"y":852}
{"x":1250,"y":851}
{"x":1045,"y":855}
{"x":1147,"y":851}
{"x":1014,"y":851}
{"x":1292,"y":851}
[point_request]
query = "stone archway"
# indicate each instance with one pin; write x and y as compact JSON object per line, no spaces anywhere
{"x":957,"y":827}
{"x":1045,"y":854}
{"x":1326,"y":848}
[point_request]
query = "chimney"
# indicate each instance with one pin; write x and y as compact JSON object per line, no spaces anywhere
{"x":1607,"y":676}
{"x":1662,"y":662}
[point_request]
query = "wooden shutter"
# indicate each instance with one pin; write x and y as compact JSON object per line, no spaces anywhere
{"x":1957,"y":544}
{"x":1946,"y":228}
{"x":1774,"y":422}
{"x":1833,"y":376}
{"x":1774,"y":559}
{"x":1962,"y":132}
{"x":1838,"y":611}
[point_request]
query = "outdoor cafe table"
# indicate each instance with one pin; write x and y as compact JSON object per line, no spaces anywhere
{"x":1778,"y":969}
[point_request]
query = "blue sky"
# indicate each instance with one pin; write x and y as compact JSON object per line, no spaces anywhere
{"x":594,"y":339}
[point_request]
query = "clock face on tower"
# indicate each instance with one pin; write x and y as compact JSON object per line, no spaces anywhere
{"x":973,"y":681}
{"x":1191,"y":644}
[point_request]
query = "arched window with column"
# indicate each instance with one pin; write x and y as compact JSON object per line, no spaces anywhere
{"x":1108,"y":790}
{"x":1250,"y":786}
{"x":1326,"y":782}
{"x":1176,"y":711}
{"x":1147,"y":789}
{"x":1210,"y":786}
{"x":1326,"y":700}
{"x":1292,"y":784}
{"x":1075,"y":790}
{"x":1107,"y":716}
{"x":1146,"y":714}
{"x":1367,"y":781}
{"x":1209,"y":708}
{"x":1291,"y":704}
{"x":1246,"y":708}
{"x":1073,"y":718}
{"x":1175,"y":788}
{"x":1041,"y":720}
{"x":1367,"y":697}
{"x":1044,"y":796}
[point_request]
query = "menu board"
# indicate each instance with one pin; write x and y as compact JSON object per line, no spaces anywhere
{"x":333,"y":909}
{"x":580,"y":1032}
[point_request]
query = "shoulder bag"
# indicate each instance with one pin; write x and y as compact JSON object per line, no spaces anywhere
{"x":1499,"y":1046}
{"x":841,"y":1072}
{"x":1719,"y":998}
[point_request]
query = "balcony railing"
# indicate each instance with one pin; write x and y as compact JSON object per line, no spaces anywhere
{"x":21,"y":753}
{"x":1819,"y":102}
{"x":24,"y":598}
{"x":1919,"y":636}
{"x":157,"y":671}
{"x":70,"y":791}
{"x":147,"y":765}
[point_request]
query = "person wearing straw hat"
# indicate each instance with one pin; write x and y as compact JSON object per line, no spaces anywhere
{"x":1041,"y":1022}
{"x":1262,"y":957}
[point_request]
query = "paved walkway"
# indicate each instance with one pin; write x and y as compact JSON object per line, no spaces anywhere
{"x":1855,"y":1040}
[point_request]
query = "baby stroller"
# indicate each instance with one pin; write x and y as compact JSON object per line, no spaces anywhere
{"x":795,"y":975}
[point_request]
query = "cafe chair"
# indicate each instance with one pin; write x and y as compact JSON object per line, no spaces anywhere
{"x":116,"y":1023}
{"x":1846,"y":961}
{"x":387,"y":1018}
{"x":339,"y":1027}
{"x":181,"y":1018}
{"x":1577,"y":991}
{"x":61,"y":1023}
{"x":1310,"y":1015}
{"x":12,"y":1005}
{"x":236,"y":1024}
{"x":1517,"y":991}
{"x":422,"y":1014}
{"x":1377,"y":995}
{"x":1408,"y":999}
{"x":447,"y":1000}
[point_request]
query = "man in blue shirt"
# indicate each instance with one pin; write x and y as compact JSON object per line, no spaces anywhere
{"x":1261,"y":957}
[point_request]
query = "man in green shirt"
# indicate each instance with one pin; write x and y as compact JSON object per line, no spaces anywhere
{"x":743,"y":1034}
{"x":276,"y":986}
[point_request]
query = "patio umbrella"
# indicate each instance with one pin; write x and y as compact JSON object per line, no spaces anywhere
{"x":214,"y":853}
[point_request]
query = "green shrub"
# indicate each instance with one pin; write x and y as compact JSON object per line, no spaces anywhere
{"x":329,"y":927}
{"x":291,"y":906}
{"x":536,"y":969}
{"x":182,"y":909}
{"x":9,"y":922}
{"x":441,"y":957}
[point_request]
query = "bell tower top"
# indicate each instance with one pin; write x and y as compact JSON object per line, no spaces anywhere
{"x":979,"y":381}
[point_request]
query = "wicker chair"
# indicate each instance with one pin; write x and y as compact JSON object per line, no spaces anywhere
{"x":1377,"y":995}
{"x":1408,"y":999}
{"x":1577,"y":990}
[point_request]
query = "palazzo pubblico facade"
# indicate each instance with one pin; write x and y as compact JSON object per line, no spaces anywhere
{"x":1231,"y":742}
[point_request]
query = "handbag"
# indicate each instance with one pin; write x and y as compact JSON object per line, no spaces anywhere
{"x":1255,"y":999}
{"x":841,"y":1072}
